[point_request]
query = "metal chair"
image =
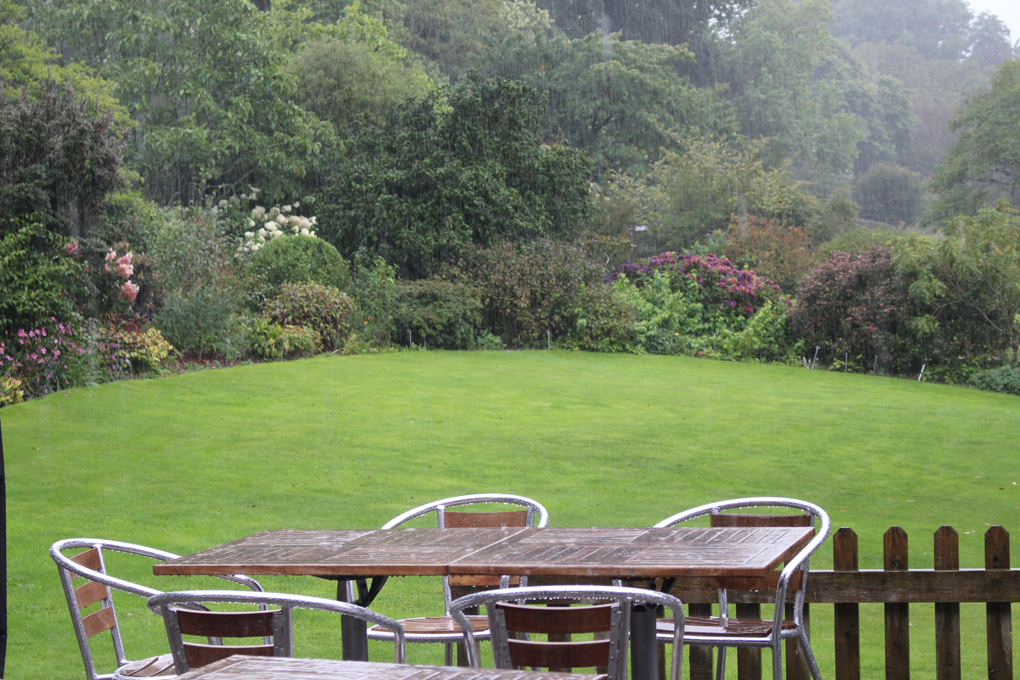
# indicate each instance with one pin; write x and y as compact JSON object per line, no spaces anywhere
{"x":513,"y":622}
{"x":723,"y":631}
{"x":273,"y":625}
{"x":97,"y":587}
{"x":442,"y":629}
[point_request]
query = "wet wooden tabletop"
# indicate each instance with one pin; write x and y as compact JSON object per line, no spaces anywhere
{"x":552,"y":551}
{"x":282,"y":668}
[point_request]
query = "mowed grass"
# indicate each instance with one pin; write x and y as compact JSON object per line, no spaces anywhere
{"x":190,"y":461}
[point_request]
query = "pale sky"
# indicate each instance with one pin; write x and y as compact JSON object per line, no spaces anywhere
{"x":1007,"y":10}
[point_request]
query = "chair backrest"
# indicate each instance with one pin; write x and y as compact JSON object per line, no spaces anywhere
{"x":532,"y":514}
{"x":513,"y":621}
{"x":795,"y":572}
{"x":273,"y":624}
{"x":85,"y":581}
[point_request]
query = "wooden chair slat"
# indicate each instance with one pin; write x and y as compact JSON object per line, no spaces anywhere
{"x":587,"y":654}
{"x":557,"y":620}
{"x":436,"y":624}
{"x":711,"y":625}
{"x":199,"y":655}
{"x":148,"y":668}
{"x":98,"y":621}
{"x":226,"y":624}
{"x":89,"y":593}
{"x":89,"y":559}
{"x":723,"y":520}
{"x":485,"y":520}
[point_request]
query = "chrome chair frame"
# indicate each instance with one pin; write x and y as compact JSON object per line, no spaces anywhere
{"x":166,"y":605}
{"x":622,"y":598}
{"x":537,"y":516}
{"x":69,"y":569}
{"x":777,"y":633}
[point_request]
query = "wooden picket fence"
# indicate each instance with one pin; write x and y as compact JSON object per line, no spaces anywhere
{"x":896,"y":586}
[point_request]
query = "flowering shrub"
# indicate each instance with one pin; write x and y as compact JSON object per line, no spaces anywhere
{"x":117,"y":272}
{"x":45,"y":359}
{"x":702,"y":306}
{"x":277,"y":222}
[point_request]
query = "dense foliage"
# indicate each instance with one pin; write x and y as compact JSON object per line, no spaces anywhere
{"x":204,"y":81}
{"x":984,"y":163}
{"x":323,"y":309}
{"x":59,"y":158}
{"x":437,"y":314}
{"x":295,"y":259}
{"x":457,"y":168}
{"x":545,"y":291}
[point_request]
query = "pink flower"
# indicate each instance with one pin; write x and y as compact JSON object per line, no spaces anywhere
{"x":111,"y":255}
{"x":129,"y":291}
{"x":71,"y":248}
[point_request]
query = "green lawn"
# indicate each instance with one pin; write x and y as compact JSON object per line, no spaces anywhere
{"x":186,"y":462}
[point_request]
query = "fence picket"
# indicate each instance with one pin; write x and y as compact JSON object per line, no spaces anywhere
{"x":846,"y":615}
{"x":998,"y":614}
{"x":897,"y":616}
{"x":947,"y":614}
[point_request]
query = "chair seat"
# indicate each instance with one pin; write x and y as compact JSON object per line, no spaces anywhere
{"x":153,"y":667}
{"x":434,"y":625}
{"x":714,"y":626}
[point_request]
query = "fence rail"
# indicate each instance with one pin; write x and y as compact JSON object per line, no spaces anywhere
{"x":896,"y":586}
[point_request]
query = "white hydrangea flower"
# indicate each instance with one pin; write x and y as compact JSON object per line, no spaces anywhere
{"x":281,"y":219}
{"x":251,"y":223}
{"x":286,"y":208}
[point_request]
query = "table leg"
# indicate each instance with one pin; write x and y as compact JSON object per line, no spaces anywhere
{"x":644,"y":663}
{"x":353,"y":631}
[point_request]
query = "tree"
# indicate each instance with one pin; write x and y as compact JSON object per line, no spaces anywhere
{"x":463,"y":165}
{"x":687,"y":195}
{"x":981,"y":274}
{"x":358,"y":72}
{"x":791,"y":82}
{"x":59,"y":159}
{"x":989,"y":40}
{"x":890,"y":193}
{"x":984,"y":163}
{"x":619,"y":100}
{"x":204,"y":80}
{"x":937,"y":29}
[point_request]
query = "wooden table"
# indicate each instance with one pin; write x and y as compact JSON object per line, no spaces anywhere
{"x":551,"y":551}
{"x":283,"y":668}
{"x":614,"y":552}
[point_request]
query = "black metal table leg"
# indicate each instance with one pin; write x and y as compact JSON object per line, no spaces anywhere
{"x":353,"y":631}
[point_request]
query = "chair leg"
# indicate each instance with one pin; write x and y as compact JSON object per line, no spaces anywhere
{"x":809,"y":656}
{"x":777,"y":659}
{"x":720,"y":669}
{"x":448,"y":654}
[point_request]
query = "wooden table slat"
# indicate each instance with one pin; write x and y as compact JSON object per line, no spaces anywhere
{"x":283,"y":668}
